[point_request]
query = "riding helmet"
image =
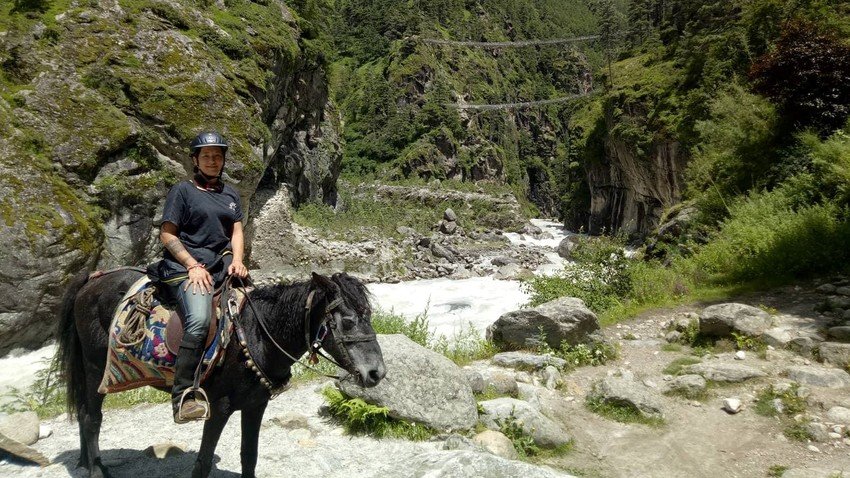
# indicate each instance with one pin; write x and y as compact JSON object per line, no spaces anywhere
{"x":208,"y":138}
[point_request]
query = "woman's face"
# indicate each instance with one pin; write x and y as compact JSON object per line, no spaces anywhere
{"x":210,"y":160}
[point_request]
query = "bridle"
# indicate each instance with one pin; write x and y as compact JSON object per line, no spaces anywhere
{"x":331,"y":323}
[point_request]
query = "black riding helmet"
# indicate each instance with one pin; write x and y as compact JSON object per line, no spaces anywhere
{"x":207,"y":138}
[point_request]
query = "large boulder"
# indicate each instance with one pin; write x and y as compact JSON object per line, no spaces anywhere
{"x":722,"y":319}
{"x":465,"y":463}
{"x":724,"y":372}
{"x":544,"y":431}
{"x":421,"y":386}
{"x":562,"y":320}
{"x":626,"y":390}
{"x":818,"y":376}
{"x":567,"y":245}
{"x":21,"y":427}
{"x":526,"y":361}
{"x":835,"y":353}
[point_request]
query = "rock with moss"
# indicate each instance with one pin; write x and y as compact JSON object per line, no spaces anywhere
{"x":722,"y":320}
{"x":625,"y":390}
{"x":507,"y":413}
{"x":98,"y":102}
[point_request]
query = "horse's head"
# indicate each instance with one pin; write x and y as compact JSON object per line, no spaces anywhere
{"x":344,"y":328}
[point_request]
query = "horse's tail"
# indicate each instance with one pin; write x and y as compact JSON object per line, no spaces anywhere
{"x":70,"y":349}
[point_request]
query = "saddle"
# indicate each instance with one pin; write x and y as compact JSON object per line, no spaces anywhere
{"x":144,"y":338}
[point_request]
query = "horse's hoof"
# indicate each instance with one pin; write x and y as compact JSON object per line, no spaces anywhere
{"x":99,"y":471}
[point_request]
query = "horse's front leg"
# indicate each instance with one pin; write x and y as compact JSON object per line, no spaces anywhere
{"x":219,"y":414}
{"x":252,"y":418}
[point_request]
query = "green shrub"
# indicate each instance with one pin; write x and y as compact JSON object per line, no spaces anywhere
{"x":359,"y":417}
{"x":392,"y":323}
{"x":600,"y":277}
{"x":677,"y":366}
{"x":792,"y":404}
{"x":620,"y":412}
{"x":766,"y":237}
{"x":522,"y":442}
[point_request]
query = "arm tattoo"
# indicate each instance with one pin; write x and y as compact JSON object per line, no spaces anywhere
{"x":175,"y":247}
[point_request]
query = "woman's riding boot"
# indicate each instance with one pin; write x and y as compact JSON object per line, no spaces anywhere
{"x":185,"y":405}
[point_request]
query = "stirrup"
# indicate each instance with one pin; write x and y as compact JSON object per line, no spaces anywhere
{"x":179,"y":418}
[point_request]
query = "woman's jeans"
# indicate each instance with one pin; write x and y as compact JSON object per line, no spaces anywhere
{"x":196,"y":311}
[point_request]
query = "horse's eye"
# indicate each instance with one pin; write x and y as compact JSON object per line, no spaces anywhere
{"x":348,"y":322}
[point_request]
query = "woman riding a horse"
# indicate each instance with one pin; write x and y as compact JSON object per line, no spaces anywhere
{"x":202,"y":233}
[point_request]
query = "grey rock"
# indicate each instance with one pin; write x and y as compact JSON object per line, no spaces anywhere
{"x":440,"y":251}
{"x":565,"y":319}
{"x":803,"y":345}
{"x":844,"y":290}
{"x":476,"y":381}
{"x":722,"y":319}
{"x":835,"y":353}
{"x":502,"y":261}
{"x":421,"y":386}
{"x":19,"y":450}
{"x":526,"y":361}
{"x":838,"y":302}
{"x":22,"y":427}
{"x":839,"y":415}
{"x":690,"y":384}
{"x":459,"y":442}
{"x":499,"y":382}
{"x":496,"y":443}
{"x":776,"y":336}
{"x":542,"y":430}
{"x":529,"y":393}
{"x":508,"y":272}
{"x":826,"y":289}
{"x":552,"y":377}
{"x":625,"y":390}
{"x":818,"y":431}
{"x":567,"y":245}
{"x":840,"y":333}
{"x":465,"y":464}
{"x":732,"y":405}
{"x":673,"y":336}
{"x":724,"y":372}
{"x":448,"y":227}
{"x":449,"y":215}
{"x":818,"y":376}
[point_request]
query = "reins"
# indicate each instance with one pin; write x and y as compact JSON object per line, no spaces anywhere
{"x":312,"y":347}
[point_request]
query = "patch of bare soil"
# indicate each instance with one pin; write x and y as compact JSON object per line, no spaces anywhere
{"x":699,"y":438}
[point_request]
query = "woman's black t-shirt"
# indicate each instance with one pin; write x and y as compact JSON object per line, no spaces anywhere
{"x":204,"y":221}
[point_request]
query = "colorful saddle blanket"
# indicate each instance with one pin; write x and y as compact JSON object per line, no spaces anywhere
{"x":146,"y":358}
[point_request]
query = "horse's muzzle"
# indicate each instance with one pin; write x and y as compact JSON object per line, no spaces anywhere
{"x":371,"y":375}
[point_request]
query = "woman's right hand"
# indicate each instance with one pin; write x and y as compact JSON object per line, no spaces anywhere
{"x":200,"y":280}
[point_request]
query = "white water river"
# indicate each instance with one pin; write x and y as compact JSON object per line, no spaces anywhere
{"x":452,"y":305}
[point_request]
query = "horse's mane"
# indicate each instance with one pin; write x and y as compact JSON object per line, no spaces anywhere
{"x":286,"y":302}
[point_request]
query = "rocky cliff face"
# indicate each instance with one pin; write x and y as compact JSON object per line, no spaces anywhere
{"x":630,"y":194}
{"x":100,"y":99}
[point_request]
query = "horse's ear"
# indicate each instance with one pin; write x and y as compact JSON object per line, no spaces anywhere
{"x":323,"y":282}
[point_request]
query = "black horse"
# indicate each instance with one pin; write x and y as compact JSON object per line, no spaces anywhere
{"x":339,"y":311}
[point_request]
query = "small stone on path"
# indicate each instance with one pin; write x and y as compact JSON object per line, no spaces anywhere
{"x":732,"y":405}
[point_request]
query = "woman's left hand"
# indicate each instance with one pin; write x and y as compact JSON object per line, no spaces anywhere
{"x":238,"y":269}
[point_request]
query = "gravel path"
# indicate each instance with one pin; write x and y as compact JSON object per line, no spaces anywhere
{"x":322,"y":450}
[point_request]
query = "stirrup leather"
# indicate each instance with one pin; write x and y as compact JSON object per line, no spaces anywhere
{"x":205,"y":404}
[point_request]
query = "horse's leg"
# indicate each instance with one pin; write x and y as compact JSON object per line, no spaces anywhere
{"x":251,"y":420}
{"x":90,"y":418}
{"x":219,"y":414}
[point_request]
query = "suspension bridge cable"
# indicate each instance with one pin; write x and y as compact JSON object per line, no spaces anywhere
{"x":524,"y":104}
{"x":508,"y":44}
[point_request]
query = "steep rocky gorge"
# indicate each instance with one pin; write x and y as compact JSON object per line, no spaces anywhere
{"x":99,"y":100}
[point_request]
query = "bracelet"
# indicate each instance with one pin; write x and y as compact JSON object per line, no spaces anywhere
{"x":197,"y":264}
